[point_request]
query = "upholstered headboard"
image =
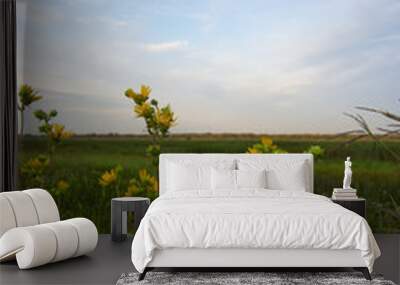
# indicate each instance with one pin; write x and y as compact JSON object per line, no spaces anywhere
{"x":290,"y":157}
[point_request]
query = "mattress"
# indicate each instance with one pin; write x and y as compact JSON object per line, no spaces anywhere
{"x":250,"y":219}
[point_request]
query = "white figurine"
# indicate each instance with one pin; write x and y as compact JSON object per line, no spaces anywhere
{"x":347,"y":174}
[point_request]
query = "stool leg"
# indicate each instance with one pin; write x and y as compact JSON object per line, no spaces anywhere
{"x":116,"y":221}
{"x":140,"y":211}
{"x":124,"y":224}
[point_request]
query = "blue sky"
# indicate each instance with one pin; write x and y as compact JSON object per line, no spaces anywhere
{"x":255,"y":66}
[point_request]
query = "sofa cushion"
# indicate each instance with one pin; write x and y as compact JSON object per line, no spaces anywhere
{"x":7,"y":220}
{"x":45,"y":205}
{"x":23,"y":208}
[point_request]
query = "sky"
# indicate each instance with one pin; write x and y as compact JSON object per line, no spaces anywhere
{"x":224,"y":66}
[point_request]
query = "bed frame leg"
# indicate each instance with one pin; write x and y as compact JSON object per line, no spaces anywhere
{"x":364,"y":271}
{"x":143,"y":274}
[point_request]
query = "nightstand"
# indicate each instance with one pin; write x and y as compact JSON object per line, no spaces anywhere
{"x":358,"y":206}
{"x":119,"y":208}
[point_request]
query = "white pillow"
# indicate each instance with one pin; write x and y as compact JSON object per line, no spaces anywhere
{"x":223,"y":179}
{"x":251,"y":178}
{"x":236,"y":179}
{"x":292,"y":178}
{"x":193,"y":174}
{"x":188,"y":177}
{"x":281,"y":175}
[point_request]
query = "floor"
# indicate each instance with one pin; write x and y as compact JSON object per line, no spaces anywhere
{"x":110,"y":260}
{"x":103,"y":266}
{"x":389,"y":262}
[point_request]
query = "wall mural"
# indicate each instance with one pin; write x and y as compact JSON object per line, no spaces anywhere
{"x":105,"y":87}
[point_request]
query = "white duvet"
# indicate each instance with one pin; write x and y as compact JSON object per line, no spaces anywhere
{"x":250,"y":219}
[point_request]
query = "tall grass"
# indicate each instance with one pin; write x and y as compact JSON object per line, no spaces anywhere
{"x":81,"y":161}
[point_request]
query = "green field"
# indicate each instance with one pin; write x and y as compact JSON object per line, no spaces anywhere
{"x":81,"y":161}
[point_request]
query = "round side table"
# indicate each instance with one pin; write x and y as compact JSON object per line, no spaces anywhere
{"x":119,"y":208}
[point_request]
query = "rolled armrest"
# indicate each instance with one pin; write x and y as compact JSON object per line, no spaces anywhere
{"x":32,"y":246}
{"x":37,"y":245}
{"x":87,"y":233}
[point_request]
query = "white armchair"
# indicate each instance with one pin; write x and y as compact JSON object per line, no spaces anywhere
{"x":31,"y":230}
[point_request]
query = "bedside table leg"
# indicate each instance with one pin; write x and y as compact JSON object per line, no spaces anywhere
{"x":124,"y":225}
{"x":139,"y":214}
{"x":116,"y":222}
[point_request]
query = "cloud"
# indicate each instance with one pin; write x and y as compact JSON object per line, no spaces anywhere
{"x":113,"y":22}
{"x":165,"y":46}
{"x":303,"y":64}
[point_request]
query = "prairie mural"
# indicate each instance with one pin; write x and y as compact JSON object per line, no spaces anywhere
{"x":105,"y":87}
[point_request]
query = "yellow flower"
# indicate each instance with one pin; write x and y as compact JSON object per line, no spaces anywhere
{"x":266,"y":146}
{"x":144,"y":176}
{"x":141,"y":97}
{"x":143,"y":110}
{"x":130,"y":93}
{"x":37,"y":164}
{"x":35,"y":168}
{"x":165,"y":117}
{"x":146,"y":184}
{"x":133,"y":190}
{"x":62,"y":185}
{"x":27,"y":95}
{"x":266,"y":141}
{"x":145,"y":91}
{"x":108,"y":177}
{"x":58,"y":133}
{"x":252,"y":150}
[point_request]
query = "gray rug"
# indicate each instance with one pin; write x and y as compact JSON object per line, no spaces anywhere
{"x":228,"y":278}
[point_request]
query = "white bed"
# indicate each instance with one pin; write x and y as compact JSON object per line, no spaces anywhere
{"x":249,"y":227}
